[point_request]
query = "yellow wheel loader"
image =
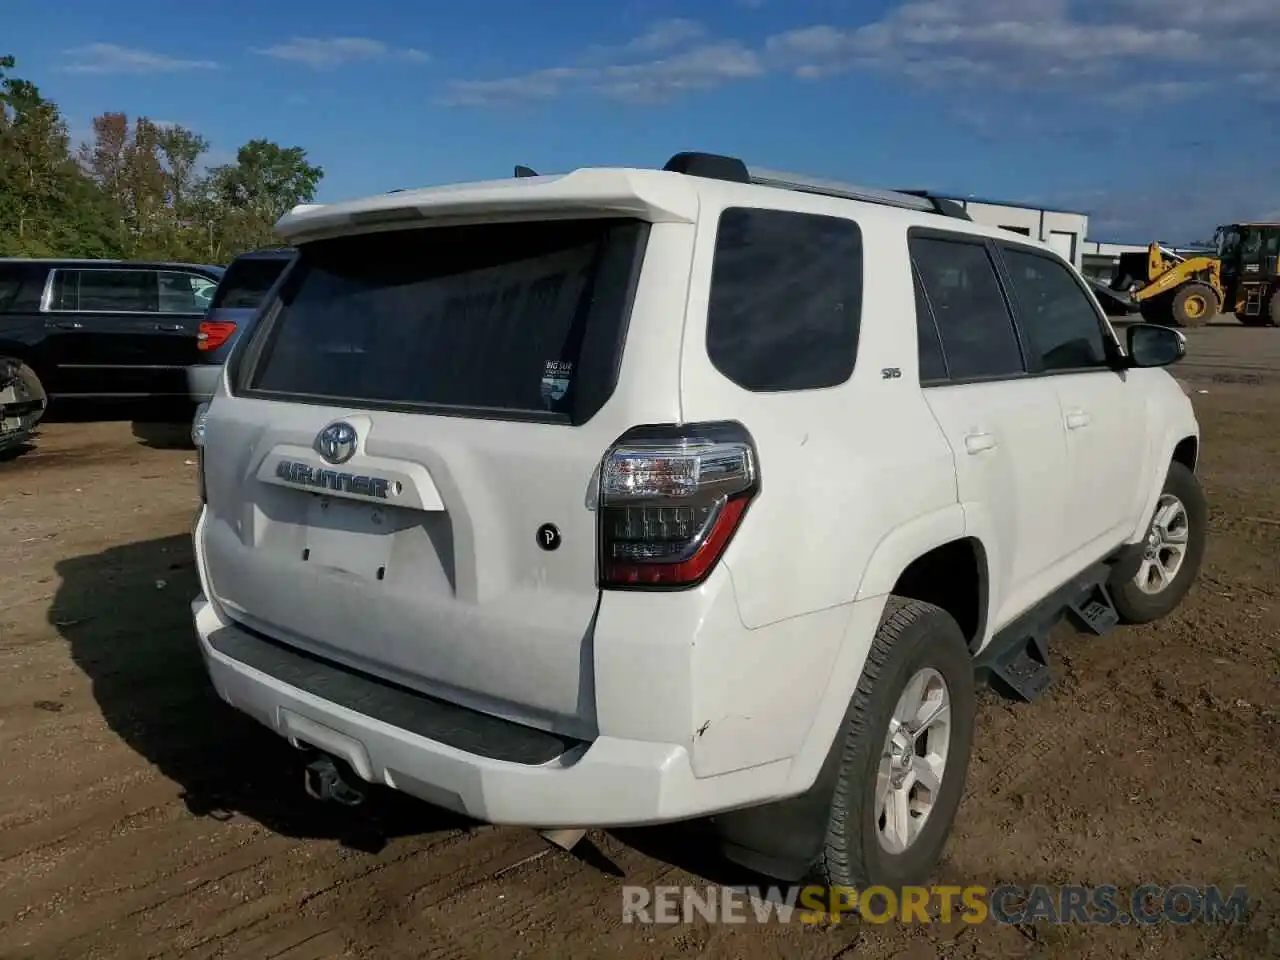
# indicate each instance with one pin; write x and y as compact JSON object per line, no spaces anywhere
{"x":1171,"y":289}
{"x":1250,"y":257}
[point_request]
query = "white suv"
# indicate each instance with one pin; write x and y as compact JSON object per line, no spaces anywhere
{"x":630,"y":496}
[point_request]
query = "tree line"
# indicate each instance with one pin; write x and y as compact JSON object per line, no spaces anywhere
{"x":136,"y":189}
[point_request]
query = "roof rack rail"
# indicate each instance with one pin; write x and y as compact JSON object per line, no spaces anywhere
{"x":718,"y":167}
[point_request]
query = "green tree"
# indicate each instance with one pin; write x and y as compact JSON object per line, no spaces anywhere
{"x":136,"y":189}
{"x":44,"y":205}
{"x":267,"y":180}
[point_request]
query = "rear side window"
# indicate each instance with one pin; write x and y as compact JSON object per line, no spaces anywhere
{"x":12,"y":276}
{"x":520,"y":321}
{"x":786,"y":299}
{"x":933,"y":366}
{"x":247,"y":281}
{"x":106,"y":291}
{"x":183,"y":292}
{"x":974,"y":323}
{"x":1057,"y":317}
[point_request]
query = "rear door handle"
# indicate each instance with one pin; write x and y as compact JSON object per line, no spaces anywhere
{"x":68,"y":325}
{"x":171,"y":327}
{"x":1077,"y":419}
{"x":978,"y":442}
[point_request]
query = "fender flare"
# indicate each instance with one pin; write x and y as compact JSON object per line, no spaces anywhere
{"x":1159,"y":472}
{"x":892,"y":555}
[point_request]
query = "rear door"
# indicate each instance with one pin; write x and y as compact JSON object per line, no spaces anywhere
{"x":413,"y":410}
{"x":101,"y":324}
{"x":1004,"y":426}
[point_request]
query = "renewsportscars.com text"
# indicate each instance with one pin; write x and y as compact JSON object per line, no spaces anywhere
{"x":1009,"y":904}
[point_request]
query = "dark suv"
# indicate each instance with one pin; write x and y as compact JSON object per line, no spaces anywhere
{"x":100,"y":329}
{"x":241,"y":292}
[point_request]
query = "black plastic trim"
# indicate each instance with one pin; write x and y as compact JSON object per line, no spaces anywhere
{"x":459,"y":727}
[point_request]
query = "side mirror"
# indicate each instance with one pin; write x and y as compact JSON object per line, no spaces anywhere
{"x":1153,"y":345}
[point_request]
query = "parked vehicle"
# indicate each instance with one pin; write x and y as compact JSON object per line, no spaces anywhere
{"x":625,"y":496}
{"x":103,"y":329}
{"x":239,"y":295}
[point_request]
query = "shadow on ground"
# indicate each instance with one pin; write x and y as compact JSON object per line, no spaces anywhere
{"x":126,"y":615}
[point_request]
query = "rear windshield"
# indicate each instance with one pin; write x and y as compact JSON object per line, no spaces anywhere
{"x":246,"y":282}
{"x":520,"y":321}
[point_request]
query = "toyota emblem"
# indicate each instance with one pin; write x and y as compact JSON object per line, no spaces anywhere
{"x":337,"y":442}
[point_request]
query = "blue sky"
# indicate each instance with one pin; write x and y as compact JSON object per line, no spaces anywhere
{"x":1121,"y":108}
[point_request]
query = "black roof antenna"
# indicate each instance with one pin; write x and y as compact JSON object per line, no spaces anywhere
{"x":525,"y":171}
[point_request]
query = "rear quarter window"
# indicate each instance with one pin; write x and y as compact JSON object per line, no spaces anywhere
{"x":247,"y":282}
{"x":786,"y":299}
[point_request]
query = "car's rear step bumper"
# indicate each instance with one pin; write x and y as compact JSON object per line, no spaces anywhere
{"x":437,"y":751}
{"x":460,"y":727}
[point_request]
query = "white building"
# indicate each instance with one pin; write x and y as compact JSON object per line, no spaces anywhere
{"x":1064,"y":230}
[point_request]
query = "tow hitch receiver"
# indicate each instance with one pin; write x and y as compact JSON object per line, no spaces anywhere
{"x":324,"y":781}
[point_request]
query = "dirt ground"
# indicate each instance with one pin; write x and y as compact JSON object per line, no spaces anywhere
{"x":140,"y":817}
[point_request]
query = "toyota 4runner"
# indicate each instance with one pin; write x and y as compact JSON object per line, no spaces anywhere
{"x":629,"y":496}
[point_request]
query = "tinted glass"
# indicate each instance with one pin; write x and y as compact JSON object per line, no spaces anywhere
{"x":127,"y":291}
{"x":928,"y":347}
{"x":247,"y":281}
{"x":11,"y":278}
{"x":524,"y":318}
{"x":181,"y":292}
{"x":1059,"y":321}
{"x":786,"y":299}
{"x":976,"y":329}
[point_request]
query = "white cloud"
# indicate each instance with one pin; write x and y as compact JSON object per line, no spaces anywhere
{"x":1019,"y":44}
{"x":112,"y":58}
{"x":327,"y":53}
{"x":1181,"y":48}
{"x":670,"y":58}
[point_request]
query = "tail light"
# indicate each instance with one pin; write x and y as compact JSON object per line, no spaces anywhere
{"x":198,"y":424}
{"x":671,"y":499}
{"x":214,"y":333}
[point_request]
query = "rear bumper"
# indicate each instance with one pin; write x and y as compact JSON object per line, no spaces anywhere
{"x":202,"y":380}
{"x":609,"y":782}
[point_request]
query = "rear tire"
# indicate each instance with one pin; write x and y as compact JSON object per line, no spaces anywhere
{"x":1171,"y":554}
{"x":918,"y":650}
{"x":1194,"y":305}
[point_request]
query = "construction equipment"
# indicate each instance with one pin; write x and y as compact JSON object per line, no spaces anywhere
{"x":1248,"y":253}
{"x":1169,"y":288}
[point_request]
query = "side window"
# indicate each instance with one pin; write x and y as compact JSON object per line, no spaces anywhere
{"x":180,"y":292}
{"x":929,"y":348}
{"x":66,"y":290}
{"x":113,"y":291}
{"x":977,"y":333}
{"x":11,"y":278}
{"x":786,"y":299}
{"x":1056,"y":315}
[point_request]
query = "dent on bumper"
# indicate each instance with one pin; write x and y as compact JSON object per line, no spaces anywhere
{"x":613,"y":782}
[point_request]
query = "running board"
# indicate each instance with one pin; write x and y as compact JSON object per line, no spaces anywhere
{"x":1016,"y":661}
